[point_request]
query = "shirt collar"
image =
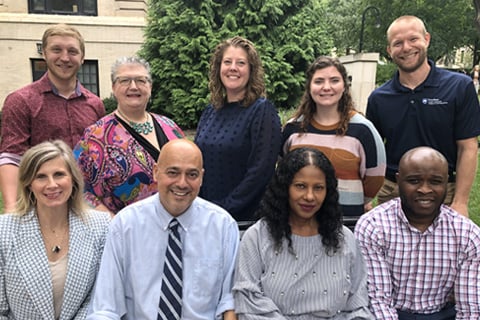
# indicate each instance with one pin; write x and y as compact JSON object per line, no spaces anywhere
{"x":185,"y":219}
{"x":430,"y":229}
{"x":432,"y":80}
{"x":51,"y":87}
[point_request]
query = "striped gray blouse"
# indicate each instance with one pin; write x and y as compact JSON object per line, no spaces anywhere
{"x":305,"y":284}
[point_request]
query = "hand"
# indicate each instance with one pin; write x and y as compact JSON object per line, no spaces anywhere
{"x":368,"y":206}
{"x":229,"y":315}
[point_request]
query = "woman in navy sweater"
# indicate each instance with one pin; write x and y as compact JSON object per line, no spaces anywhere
{"x":239,"y":132}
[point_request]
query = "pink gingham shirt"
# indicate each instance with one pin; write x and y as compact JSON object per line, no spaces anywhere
{"x":420,"y":272}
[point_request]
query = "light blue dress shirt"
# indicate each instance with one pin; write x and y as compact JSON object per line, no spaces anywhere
{"x":130,"y":277}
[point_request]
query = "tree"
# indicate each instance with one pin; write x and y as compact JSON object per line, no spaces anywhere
{"x":181,"y":35}
{"x":451,"y":23}
{"x":344,"y":24}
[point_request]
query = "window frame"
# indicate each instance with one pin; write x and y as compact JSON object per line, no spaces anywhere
{"x":47,"y":8}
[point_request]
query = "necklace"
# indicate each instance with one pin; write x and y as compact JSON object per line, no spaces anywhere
{"x":57,"y":247}
{"x":139,"y":127}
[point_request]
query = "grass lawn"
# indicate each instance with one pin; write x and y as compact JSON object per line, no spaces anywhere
{"x":474,"y":204}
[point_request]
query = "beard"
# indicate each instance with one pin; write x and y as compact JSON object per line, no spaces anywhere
{"x":422,"y":56}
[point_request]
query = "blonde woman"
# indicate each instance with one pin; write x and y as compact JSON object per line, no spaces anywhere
{"x":50,"y":248}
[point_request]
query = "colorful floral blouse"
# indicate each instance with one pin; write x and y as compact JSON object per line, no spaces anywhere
{"x":117,"y":169}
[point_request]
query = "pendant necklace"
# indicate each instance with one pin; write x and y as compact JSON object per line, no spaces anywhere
{"x":56,"y":248}
{"x":139,"y":127}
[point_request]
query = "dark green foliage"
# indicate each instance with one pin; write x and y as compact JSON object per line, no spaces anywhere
{"x":181,"y":35}
{"x":450,"y":23}
{"x":385,"y":72}
{"x":110,"y":104}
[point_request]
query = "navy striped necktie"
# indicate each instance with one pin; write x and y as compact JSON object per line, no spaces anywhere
{"x":170,"y":306}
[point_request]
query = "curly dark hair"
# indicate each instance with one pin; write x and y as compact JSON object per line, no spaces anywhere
{"x":307,"y":106}
{"x":256,"y":84}
{"x":275,"y":210}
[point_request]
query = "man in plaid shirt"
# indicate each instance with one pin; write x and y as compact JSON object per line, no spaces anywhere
{"x":423,"y":258}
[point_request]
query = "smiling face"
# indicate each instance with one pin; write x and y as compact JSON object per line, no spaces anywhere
{"x":307,"y":193}
{"x":235,"y":72}
{"x":327,"y":87}
{"x":52,"y":185}
{"x":132,"y":95}
{"x":422,"y":183}
{"x":63,"y":57}
{"x":407,"y":44}
{"x":179,"y":174}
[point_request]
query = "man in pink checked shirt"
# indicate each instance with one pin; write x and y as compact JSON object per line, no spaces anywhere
{"x":423,"y":258}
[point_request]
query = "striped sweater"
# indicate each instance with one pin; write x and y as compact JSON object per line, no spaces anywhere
{"x":358,"y":157}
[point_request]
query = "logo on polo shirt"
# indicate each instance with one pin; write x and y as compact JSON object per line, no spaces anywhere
{"x":432,"y":102}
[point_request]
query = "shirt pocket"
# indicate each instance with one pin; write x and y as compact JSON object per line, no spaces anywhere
{"x":207,"y":277}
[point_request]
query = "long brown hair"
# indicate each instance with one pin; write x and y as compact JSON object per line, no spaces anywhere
{"x":256,"y":84}
{"x":307,"y":107}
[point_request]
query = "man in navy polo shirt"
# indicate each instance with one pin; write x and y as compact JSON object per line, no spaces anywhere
{"x":423,"y":105}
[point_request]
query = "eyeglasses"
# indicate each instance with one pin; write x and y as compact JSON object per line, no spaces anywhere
{"x":126,"y":81}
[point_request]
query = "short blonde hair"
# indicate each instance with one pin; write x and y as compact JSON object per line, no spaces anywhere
{"x":63,"y":29}
{"x":31,"y":162}
{"x":415,"y":19}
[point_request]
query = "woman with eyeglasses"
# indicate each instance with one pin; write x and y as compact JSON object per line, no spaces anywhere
{"x":117,"y":154}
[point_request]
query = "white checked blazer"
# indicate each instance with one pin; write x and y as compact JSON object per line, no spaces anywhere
{"x":25,"y":281}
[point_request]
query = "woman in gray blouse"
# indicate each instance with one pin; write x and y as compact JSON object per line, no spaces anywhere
{"x":298,"y":261}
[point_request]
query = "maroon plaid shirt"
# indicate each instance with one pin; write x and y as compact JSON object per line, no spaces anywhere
{"x":34,"y":114}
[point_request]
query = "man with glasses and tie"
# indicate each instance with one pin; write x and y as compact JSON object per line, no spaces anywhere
{"x":172,"y":255}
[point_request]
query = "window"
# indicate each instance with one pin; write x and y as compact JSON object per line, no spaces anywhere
{"x":39,"y":67}
{"x":72,"y":7}
{"x":88,"y":76}
{"x":88,"y":73}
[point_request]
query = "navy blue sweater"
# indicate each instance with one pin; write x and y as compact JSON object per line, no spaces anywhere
{"x":240,"y":146}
